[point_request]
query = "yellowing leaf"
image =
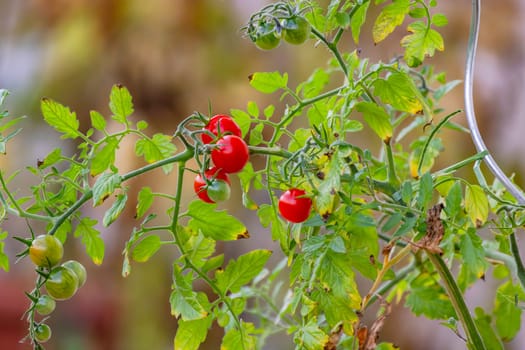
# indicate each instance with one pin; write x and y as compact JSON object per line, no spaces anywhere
{"x":476,"y":204}
{"x":391,"y":16}
{"x":377,"y":118}
{"x":422,"y":42}
{"x":399,"y":91}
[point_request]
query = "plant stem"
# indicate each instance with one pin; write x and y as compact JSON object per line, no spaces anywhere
{"x":458,"y":302}
{"x":520,"y":269}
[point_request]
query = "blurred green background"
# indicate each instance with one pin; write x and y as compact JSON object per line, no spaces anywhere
{"x":177,"y":57}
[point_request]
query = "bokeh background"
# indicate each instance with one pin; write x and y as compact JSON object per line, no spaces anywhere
{"x":176,"y":57}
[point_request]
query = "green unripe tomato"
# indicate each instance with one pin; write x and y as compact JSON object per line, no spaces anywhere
{"x":62,"y":283}
{"x":266,"y":36}
{"x":42,"y":333}
{"x":45,"y":305}
{"x":78,"y":269}
{"x":296,"y":30}
{"x":46,"y":251}
{"x":218,"y":191}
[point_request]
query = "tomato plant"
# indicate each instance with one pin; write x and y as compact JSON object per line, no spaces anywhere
{"x":230,"y":154}
{"x":45,"y":305}
{"x":352,"y":155}
{"x":42,"y":333}
{"x":294,"y":206}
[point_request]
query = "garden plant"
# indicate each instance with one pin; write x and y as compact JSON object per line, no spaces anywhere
{"x":339,"y":209}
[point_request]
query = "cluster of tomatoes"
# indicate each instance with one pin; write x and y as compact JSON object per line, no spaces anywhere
{"x":275,"y":22}
{"x":61,"y":282}
{"x":229,"y":155}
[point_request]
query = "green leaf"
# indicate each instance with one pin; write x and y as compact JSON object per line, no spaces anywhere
{"x":476,"y":204}
{"x":331,"y":167}
{"x":51,"y":159}
{"x":268,"y":82}
{"x":427,"y":297}
{"x":507,"y":311}
{"x":253,"y":109}
{"x":256,"y":135}
{"x":453,"y":200}
{"x":185,"y":303}
{"x":116,"y":209}
{"x":218,"y":225}
{"x":61,"y":118}
{"x":377,"y":118}
{"x":146,"y":248}
{"x":157,"y":148}
{"x":197,"y":247}
{"x":97,"y":120}
{"x":235,"y":340}
{"x":439,"y":20}
{"x":243,"y":119}
{"x":358,"y":19}
{"x":190,"y":334}
{"x":311,"y":337}
{"x":426,"y":188}
{"x":391,"y":16}
{"x":473,"y":254}
{"x":483,"y":323}
{"x":120,"y":103}
{"x":144,"y":201}
{"x":104,"y":157}
{"x":91,"y":239}
{"x":4,"y":259}
{"x":241,"y":271}
{"x":105,"y":185}
{"x":399,"y":91}
{"x":422,"y":42}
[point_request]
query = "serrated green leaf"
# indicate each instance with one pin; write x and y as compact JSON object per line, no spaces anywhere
{"x":197,"y":247}
{"x":51,"y":159}
{"x":268,"y":82}
{"x":218,"y":225}
{"x":422,"y":42}
{"x":157,"y":148}
{"x":315,"y":83}
{"x":358,"y":19}
{"x":90,"y":237}
{"x":473,"y":254}
{"x":426,"y":188}
{"x":104,"y":157}
{"x":241,"y":271}
{"x":242,"y":119}
{"x":507,"y":311}
{"x":268,"y":111}
{"x":476,"y":204}
{"x":377,"y":119}
{"x":391,"y":16}
{"x":331,"y":168}
{"x":453,"y":200}
{"x":234,"y":340}
{"x":61,"y":118}
{"x":120,"y":103}
{"x":115,"y":210}
{"x":311,"y":337}
{"x":146,"y":248}
{"x":144,"y":201}
{"x":427,"y":297}
{"x":256,"y":135}
{"x":185,"y":303}
{"x":97,"y":120}
{"x":399,"y":91}
{"x":105,"y":185}
{"x":190,"y":334}
{"x":253,"y":109}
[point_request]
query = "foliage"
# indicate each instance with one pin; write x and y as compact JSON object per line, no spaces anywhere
{"x":389,"y":216}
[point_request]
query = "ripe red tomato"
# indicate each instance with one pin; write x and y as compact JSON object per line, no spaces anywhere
{"x":231,"y":154}
{"x":294,"y":206}
{"x":218,"y":178}
{"x":219,"y":125}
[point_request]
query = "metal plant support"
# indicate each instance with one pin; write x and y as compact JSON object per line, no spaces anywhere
{"x":476,"y":136}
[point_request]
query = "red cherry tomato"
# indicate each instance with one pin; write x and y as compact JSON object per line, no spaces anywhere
{"x":294,"y":206}
{"x":219,"y":125}
{"x":231,"y":154}
{"x":200,"y":185}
